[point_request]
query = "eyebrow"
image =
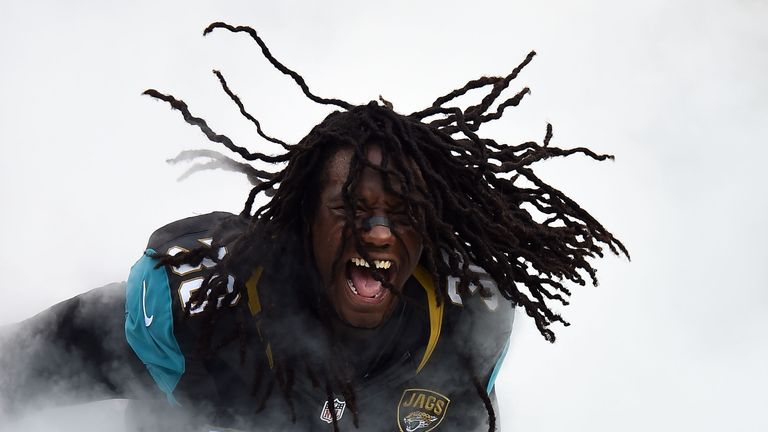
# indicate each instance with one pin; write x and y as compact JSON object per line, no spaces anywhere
{"x":336,"y":197}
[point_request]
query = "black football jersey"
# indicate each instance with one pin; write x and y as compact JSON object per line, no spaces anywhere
{"x":423,"y":371}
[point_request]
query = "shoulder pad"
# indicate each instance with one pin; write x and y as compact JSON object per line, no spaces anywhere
{"x":217,"y":228}
{"x":197,"y":231}
{"x":491,"y":301}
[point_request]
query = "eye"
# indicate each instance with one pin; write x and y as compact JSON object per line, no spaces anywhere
{"x":401,"y":218}
{"x":360,"y":208}
{"x":339,"y":210}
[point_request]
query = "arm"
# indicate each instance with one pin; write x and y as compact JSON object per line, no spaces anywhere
{"x":77,"y":350}
{"x":71,"y":353}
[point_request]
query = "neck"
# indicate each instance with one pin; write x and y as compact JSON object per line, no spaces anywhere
{"x":351,"y":336}
{"x":367,"y":347}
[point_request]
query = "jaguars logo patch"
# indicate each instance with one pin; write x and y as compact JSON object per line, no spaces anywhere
{"x":421,"y":410}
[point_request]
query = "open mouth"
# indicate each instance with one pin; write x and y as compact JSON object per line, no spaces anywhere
{"x":361,"y":280}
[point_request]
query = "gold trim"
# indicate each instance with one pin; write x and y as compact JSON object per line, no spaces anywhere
{"x":253,"y":294}
{"x":173,"y":250}
{"x":254,"y":305}
{"x":235,"y":301}
{"x":191,"y":293}
{"x":422,"y":277}
{"x":435,"y":313}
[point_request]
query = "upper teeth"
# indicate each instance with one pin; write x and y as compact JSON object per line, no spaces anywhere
{"x":379,"y":264}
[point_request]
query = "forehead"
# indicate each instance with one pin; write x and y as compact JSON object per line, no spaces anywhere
{"x":337,"y":168}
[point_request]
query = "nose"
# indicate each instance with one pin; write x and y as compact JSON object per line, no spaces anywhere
{"x":377,"y":235}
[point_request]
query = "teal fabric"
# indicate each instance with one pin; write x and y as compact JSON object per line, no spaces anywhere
{"x":492,"y":379}
{"x":149,"y":323}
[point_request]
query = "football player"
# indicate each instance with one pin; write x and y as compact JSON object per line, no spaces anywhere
{"x":375,"y":290}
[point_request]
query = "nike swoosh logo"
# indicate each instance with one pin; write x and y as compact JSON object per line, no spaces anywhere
{"x":147,"y":320}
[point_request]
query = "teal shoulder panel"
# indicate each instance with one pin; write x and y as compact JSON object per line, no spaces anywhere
{"x":149,"y":323}
{"x":497,"y":368}
{"x":503,"y":354}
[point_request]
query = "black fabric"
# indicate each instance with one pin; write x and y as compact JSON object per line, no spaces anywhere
{"x":385,"y":360}
{"x":78,"y":348}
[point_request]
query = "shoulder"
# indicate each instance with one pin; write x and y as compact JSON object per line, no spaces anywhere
{"x":474,"y":332}
{"x":217,"y":229}
{"x":481,"y":325}
{"x":475,"y":326}
{"x":157,"y":295}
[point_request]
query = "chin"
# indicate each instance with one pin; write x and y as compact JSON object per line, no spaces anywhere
{"x":364,"y":322}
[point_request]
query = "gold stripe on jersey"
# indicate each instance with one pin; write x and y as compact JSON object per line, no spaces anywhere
{"x":253,"y":294}
{"x":435,"y":313}
{"x":254,"y":305}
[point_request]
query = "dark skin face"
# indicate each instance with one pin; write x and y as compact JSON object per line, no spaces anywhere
{"x":358,"y":304}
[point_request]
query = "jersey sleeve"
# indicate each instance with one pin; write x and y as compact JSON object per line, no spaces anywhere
{"x":157,"y":295}
{"x":72,"y":352}
{"x":149,"y":323}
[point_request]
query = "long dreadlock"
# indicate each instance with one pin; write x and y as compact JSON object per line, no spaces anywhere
{"x":473,"y":200}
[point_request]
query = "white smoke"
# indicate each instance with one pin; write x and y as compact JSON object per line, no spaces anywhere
{"x":675,"y":90}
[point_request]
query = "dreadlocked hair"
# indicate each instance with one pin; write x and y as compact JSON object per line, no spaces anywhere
{"x":473,"y":200}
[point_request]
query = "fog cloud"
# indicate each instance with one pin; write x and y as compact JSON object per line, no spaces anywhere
{"x":676,"y":90}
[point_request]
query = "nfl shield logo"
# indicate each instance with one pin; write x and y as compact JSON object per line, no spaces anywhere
{"x":338,"y":407}
{"x":421,"y":410}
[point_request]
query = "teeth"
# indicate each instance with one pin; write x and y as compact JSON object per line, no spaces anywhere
{"x":379,"y":264}
{"x":351,"y":286}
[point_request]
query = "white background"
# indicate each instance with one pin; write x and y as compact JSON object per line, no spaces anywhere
{"x":673,"y":340}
